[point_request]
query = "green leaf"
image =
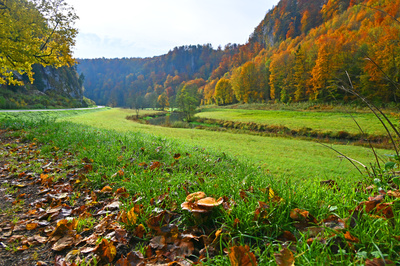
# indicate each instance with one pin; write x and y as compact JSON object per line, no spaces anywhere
{"x":396,"y":180}
{"x":390,"y":165}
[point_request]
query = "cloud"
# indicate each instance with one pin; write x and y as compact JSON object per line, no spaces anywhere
{"x":153,"y":27}
{"x":92,"y":45}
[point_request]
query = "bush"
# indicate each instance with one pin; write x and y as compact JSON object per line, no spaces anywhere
{"x":180,"y":124}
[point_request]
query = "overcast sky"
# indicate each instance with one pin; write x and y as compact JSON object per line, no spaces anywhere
{"x":146,"y":28}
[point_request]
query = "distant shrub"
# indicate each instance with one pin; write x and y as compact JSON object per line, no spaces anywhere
{"x":180,"y":124}
{"x":38,"y":106}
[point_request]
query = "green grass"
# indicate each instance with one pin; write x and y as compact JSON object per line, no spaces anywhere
{"x":283,"y":157}
{"x":322,"y":121}
{"x":231,"y":165}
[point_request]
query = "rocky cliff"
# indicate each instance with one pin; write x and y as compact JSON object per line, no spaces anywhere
{"x":52,"y":88}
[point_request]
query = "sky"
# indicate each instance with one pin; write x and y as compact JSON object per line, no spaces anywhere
{"x":147,"y":28}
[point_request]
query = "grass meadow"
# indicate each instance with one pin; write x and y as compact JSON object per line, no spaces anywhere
{"x":283,"y":173}
{"x":322,"y":121}
{"x":283,"y":157}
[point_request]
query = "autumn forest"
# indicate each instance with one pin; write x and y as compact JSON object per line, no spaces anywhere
{"x":302,"y":51}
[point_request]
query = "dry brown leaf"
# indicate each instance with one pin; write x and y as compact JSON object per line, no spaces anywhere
{"x":287,"y":236}
{"x":334,"y":223}
{"x":158,"y":242}
{"x":299,"y":214}
{"x":106,"y":250}
{"x":64,"y":226}
{"x":133,"y":258}
{"x":140,"y":231}
{"x":241,"y":256}
{"x":394,"y":194}
{"x":121,"y":192}
{"x":236,"y":223}
{"x":284,"y":258}
{"x":155,"y":165}
{"x":40,"y":239}
{"x":63,"y":243}
{"x":385,"y":209}
{"x":379,"y":262}
{"x":350,"y":237}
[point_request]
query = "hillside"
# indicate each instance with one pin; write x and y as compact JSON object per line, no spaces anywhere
{"x":51,"y":88}
{"x":301,"y":51}
{"x":115,"y":81}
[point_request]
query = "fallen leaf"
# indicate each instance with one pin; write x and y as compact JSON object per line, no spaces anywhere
{"x":394,"y":194}
{"x":284,"y":258}
{"x":385,"y":209}
{"x":131,"y":217}
{"x":236,"y":223}
{"x":158,"y":242}
{"x":140,"y":231}
{"x":241,"y":256}
{"x":351,"y":238}
{"x":121,"y":192}
{"x":106,"y":250}
{"x":31,"y":226}
{"x":261,"y":212}
{"x":379,"y":262}
{"x":155,"y":165}
{"x":133,"y":258}
{"x":113,"y":205}
{"x":298,"y":214}
{"x":106,"y":189}
{"x":40,"y":239}
{"x":63,"y":243}
{"x":22,"y":248}
{"x":287,"y":236}
{"x":334,"y":222}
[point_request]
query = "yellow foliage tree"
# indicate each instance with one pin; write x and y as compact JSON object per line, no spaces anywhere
{"x":162,"y":101}
{"x":34,"y":32}
{"x":223,"y":92}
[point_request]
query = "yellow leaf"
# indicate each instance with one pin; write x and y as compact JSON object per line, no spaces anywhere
{"x":107,"y":250}
{"x":106,"y":189}
{"x":271,"y":193}
{"x":31,"y":226}
{"x":132,"y":217}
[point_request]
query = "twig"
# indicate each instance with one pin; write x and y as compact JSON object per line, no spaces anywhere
{"x":371,"y":107}
{"x":348,"y":158}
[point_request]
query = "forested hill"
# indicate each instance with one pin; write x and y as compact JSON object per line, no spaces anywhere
{"x":116,"y":81}
{"x":303,"y":50}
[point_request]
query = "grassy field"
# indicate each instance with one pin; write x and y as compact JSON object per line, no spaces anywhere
{"x":322,"y":121}
{"x":283,"y":157}
{"x":281,"y":211}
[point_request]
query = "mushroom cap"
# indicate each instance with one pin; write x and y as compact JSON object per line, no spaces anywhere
{"x":210,"y":202}
{"x":195,"y":196}
{"x":193,"y":207}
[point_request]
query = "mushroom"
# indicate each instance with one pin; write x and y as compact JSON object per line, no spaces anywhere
{"x":197,"y":203}
{"x":209,"y":202}
{"x":193,"y":207}
{"x":195,"y":196}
